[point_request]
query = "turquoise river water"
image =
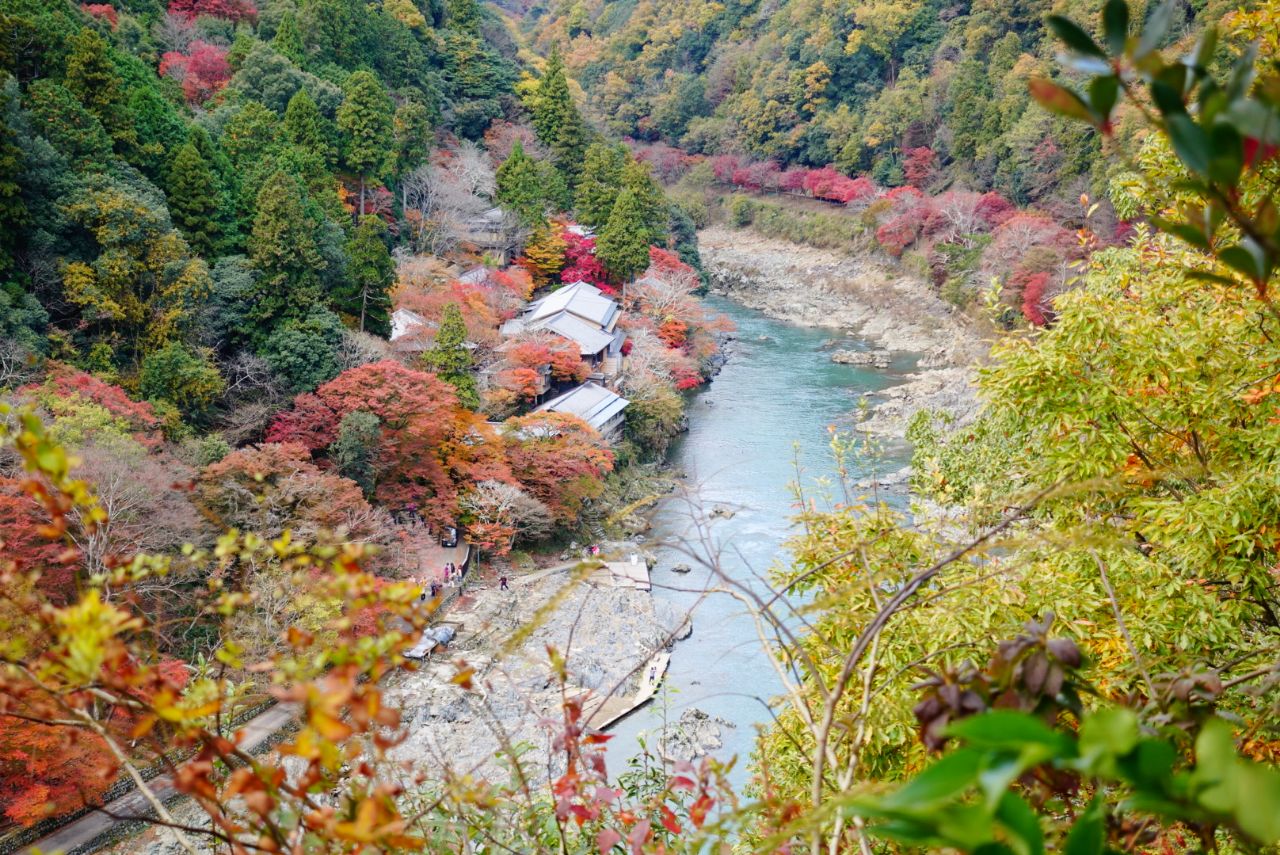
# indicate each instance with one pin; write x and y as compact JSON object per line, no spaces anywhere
{"x":760,"y":427}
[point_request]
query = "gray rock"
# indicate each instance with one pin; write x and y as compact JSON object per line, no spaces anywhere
{"x":695,"y":735}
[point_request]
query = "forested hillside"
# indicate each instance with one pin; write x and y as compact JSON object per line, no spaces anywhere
{"x":292,"y":298}
{"x":859,"y":84}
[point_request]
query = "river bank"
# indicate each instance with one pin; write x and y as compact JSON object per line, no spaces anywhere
{"x":860,"y":297}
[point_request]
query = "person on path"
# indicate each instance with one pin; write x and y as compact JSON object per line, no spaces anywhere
{"x":502,"y":584}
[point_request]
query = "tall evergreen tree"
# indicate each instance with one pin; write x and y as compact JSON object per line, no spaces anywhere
{"x":13,"y":213}
{"x":288,"y":39}
{"x":600,"y":183}
{"x":365,"y":121}
{"x":653,"y":205}
{"x":306,"y":128}
{"x":92,"y":77}
{"x":623,"y":244}
{"x":520,"y":187}
{"x":195,"y":200}
{"x":370,"y":275}
{"x":413,"y":133}
{"x":283,"y":248}
{"x":449,"y":358}
{"x":557,"y":120}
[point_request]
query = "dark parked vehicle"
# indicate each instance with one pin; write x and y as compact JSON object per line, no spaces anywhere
{"x":450,"y":538}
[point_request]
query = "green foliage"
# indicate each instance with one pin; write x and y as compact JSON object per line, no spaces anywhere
{"x":450,"y":360}
{"x":74,"y":131}
{"x":288,"y":39}
{"x":623,"y":243}
{"x":414,"y":134}
{"x":520,"y":187}
{"x":303,"y":350}
{"x":556,"y":118}
{"x":196,"y":200}
{"x":365,"y":122}
{"x":283,"y":248}
{"x":1217,"y":126}
{"x":600,"y":183}
{"x":742,"y":210}
{"x":966,"y":800}
{"x":91,"y":77}
{"x":307,"y":129}
{"x":359,"y":434}
{"x":184,"y":378}
{"x":370,"y":278}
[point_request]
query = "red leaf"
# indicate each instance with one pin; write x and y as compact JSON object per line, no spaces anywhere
{"x":669,"y":820}
{"x":607,"y":839}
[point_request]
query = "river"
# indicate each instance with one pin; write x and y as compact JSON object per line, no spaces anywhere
{"x":763,"y":419}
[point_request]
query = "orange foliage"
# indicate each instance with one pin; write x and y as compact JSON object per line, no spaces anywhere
{"x":559,"y":459}
{"x":431,"y":449}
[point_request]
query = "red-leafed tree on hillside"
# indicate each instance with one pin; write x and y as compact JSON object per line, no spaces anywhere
{"x":430,"y":449}
{"x":559,"y":459}
{"x":230,"y":10}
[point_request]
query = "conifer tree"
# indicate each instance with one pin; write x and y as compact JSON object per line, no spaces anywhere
{"x":653,"y":206}
{"x":305,"y":128}
{"x":288,"y":39}
{"x":365,"y":121}
{"x":557,"y":120}
{"x":93,"y":79}
{"x":370,"y":275}
{"x":623,"y":244}
{"x":13,"y":213}
{"x":413,"y":134}
{"x":282,"y":247}
{"x":600,"y":183}
{"x":520,"y":187}
{"x":195,"y":200}
{"x":449,"y":358}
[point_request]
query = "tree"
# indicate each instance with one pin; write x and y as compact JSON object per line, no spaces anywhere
{"x":636,"y":177}
{"x":497,"y":513}
{"x":288,"y":40}
{"x":185,"y":379}
{"x":141,"y":289}
{"x":271,"y":488}
{"x":559,"y":459}
{"x":92,"y":77}
{"x":305,"y":128}
{"x":355,"y":449}
{"x":544,"y":253}
{"x":430,"y":450}
{"x":414,"y":136}
{"x":365,"y":121}
{"x":556,"y":118}
{"x":282,"y":247}
{"x":196,"y":200}
{"x":520,"y":188}
{"x":67,"y":125}
{"x":600,"y":183}
{"x":450,"y":360}
{"x":370,"y":277}
{"x":623,"y":244}
{"x":303,"y":350}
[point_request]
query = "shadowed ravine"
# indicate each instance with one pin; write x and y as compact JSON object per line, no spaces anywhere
{"x":769,"y":410}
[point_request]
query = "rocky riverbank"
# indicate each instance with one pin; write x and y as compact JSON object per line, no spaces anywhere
{"x":861,"y":296}
{"x":607,"y":635}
